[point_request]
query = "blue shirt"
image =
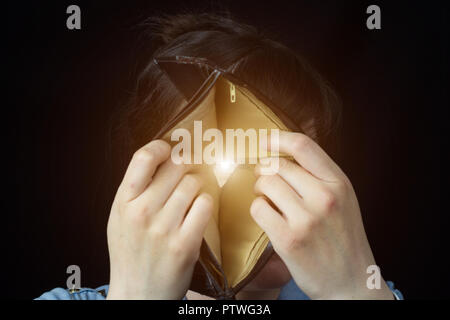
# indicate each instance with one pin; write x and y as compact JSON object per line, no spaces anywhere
{"x":290,"y":291}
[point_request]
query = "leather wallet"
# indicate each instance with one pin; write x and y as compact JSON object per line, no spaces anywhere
{"x":234,"y":248}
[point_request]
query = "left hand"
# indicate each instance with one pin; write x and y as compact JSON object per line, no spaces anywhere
{"x":314,"y":222}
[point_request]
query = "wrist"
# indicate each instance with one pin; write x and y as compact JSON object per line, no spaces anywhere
{"x":123,"y":293}
{"x":355,"y":292}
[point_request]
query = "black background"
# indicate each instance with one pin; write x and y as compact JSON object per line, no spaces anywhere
{"x":62,"y":86}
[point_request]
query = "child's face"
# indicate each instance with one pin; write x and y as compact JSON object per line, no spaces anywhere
{"x":273,"y":275}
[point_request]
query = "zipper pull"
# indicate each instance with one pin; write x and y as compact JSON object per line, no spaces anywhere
{"x":232,"y":93}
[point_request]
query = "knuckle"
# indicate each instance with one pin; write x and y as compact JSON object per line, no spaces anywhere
{"x":183,"y":250}
{"x":257,"y":206}
{"x":301,"y":142}
{"x":291,"y":242}
{"x":180,"y":167}
{"x":305,"y":226}
{"x":188,"y":185}
{"x":179,"y":194}
{"x":159,"y":146}
{"x":309,"y":225}
{"x":264,"y":181}
{"x":176,"y":248}
{"x":284,"y":164}
{"x":144,"y":155}
{"x":328,"y":201}
{"x":297,"y":236}
{"x":150,"y":152}
{"x":139,"y":216}
{"x":343,"y":186}
{"x":158,"y":232}
{"x":205,"y":201}
{"x":191,"y":182}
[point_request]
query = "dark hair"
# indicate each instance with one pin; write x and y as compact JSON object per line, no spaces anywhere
{"x":276,"y":71}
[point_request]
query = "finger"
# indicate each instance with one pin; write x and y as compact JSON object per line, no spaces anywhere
{"x":268,"y":218}
{"x":180,"y":200}
{"x":163,"y":183}
{"x":197,"y":219}
{"x":297,"y":177}
{"x":307,"y":153}
{"x":281,"y":194}
{"x":142,"y":167}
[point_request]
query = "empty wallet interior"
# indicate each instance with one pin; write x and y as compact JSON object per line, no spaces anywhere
{"x":232,"y":235}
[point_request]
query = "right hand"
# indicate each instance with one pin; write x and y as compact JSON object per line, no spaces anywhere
{"x":156,"y":227}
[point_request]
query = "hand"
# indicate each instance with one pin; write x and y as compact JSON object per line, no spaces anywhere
{"x":310,"y":212}
{"x":156,"y":227}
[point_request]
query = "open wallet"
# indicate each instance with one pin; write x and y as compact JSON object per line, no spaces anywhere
{"x":234,"y":248}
